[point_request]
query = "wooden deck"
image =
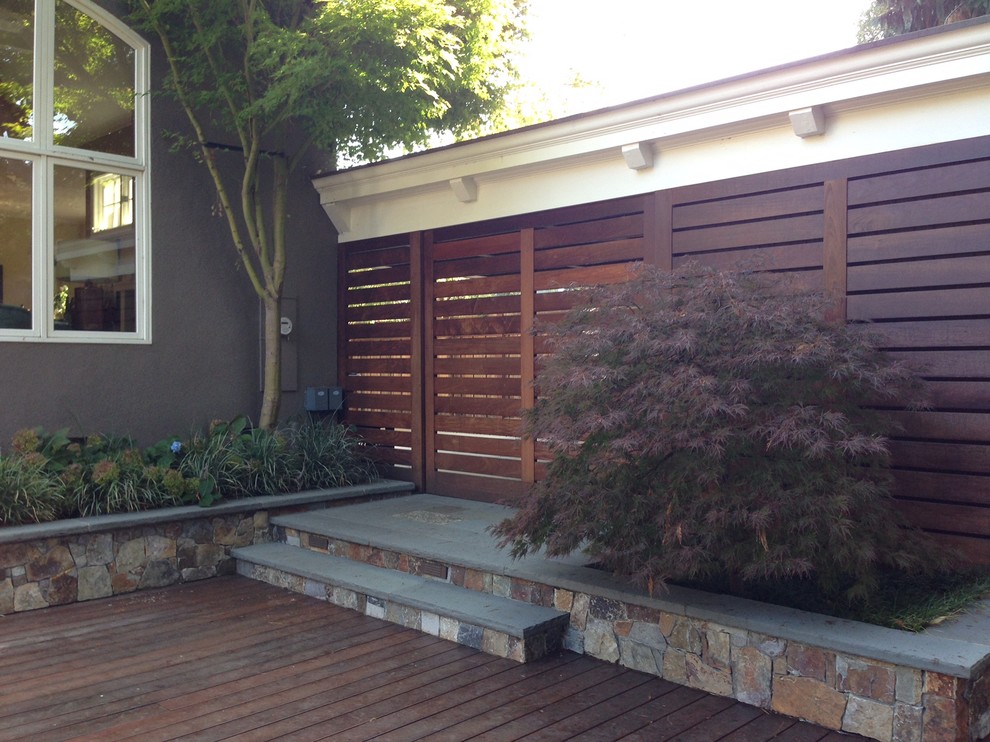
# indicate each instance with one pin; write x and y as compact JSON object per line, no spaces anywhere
{"x":235,"y":659}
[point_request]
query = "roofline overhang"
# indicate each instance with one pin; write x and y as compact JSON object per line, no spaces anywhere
{"x":797,"y":106}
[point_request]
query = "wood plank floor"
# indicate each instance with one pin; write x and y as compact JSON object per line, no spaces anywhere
{"x":231,"y":658}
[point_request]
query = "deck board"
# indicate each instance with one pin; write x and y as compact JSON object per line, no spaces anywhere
{"x":231,"y":658}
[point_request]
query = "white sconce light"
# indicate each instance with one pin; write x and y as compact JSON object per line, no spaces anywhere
{"x":465,"y":189}
{"x":638,"y":156}
{"x":808,"y":122}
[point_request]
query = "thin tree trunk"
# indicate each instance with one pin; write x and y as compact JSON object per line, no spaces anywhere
{"x":272,"y":369}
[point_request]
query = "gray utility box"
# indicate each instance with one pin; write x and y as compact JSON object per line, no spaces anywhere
{"x":324,"y":398}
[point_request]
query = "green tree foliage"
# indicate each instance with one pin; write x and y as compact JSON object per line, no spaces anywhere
{"x":270,"y":79}
{"x":886,"y":18}
{"x":714,"y":426}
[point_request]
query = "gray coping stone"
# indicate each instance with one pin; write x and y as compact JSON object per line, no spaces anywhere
{"x":456,"y":531}
{"x":98,"y":523}
{"x":500,"y":614}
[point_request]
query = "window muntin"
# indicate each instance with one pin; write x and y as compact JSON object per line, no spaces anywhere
{"x":73,"y":195}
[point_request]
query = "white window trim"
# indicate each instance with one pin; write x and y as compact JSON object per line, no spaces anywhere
{"x":43,"y":161}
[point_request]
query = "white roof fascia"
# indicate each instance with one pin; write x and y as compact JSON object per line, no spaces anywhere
{"x":864,"y":100}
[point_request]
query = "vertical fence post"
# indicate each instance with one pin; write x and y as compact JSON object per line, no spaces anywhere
{"x":527,"y":344}
{"x":417,"y":362}
{"x":835,"y":257}
{"x":658,"y":230}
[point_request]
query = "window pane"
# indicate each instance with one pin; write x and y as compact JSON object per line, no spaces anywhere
{"x":16,"y":60}
{"x":94,"y":251}
{"x":15,"y":247}
{"x":94,"y":85}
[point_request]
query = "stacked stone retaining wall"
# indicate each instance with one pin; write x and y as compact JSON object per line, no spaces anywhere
{"x":51,"y":564}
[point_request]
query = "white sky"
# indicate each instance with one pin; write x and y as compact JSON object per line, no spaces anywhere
{"x":633,"y":49}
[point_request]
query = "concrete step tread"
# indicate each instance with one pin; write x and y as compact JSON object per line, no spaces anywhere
{"x":504,"y":615}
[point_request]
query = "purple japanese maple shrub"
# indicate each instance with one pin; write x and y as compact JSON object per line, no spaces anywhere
{"x":714,"y":425}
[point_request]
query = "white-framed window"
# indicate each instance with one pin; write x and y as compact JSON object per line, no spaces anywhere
{"x":74,"y":200}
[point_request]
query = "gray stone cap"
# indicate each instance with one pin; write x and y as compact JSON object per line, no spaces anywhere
{"x":455,"y":531}
{"x":99,"y":523}
{"x":504,"y":615}
{"x":962,"y":658}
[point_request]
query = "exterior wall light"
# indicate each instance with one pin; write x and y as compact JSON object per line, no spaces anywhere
{"x":638,"y":156}
{"x":808,"y":122}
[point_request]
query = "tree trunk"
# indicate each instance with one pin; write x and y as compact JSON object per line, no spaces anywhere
{"x":272,"y":371}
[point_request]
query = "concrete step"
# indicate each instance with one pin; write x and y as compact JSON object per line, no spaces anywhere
{"x":496,"y":625}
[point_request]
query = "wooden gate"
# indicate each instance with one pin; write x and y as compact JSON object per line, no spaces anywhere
{"x":437,"y":351}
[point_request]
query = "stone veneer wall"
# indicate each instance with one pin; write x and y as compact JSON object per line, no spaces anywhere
{"x":65,"y":569}
{"x":838,"y":691}
{"x":841,"y":691}
{"x":68,"y":561}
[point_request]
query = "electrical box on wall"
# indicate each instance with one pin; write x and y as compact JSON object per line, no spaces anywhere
{"x":324,"y":399}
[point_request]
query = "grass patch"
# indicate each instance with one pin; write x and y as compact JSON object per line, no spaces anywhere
{"x":901,"y":601}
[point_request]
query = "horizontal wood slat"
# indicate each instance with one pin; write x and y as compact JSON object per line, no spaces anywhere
{"x":387,"y":437}
{"x":487,"y":445}
{"x":923,"y":243}
{"x":377,"y":294}
{"x":964,"y":176}
{"x":619,"y":251}
{"x":785,"y":257}
{"x":509,"y":427}
{"x":476,"y":306}
{"x":380,"y":365}
{"x":379,"y":419}
{"x":389,"y":455}
{"x":598,"y":275}
{"x":494,"y":366}
{"x":477,"y":286}
{"x":955,"y":302}
{"x":939,"y":516}
{"x":491,"y":406}
{"x":488,"y":465}
{"x":602,"y":230}
{"x":356,"y":258}
{"x":772,"y":232}
{"x":491,"y":325}
{"x":475,"y":487}
{"x":379,"y":329}
{"x":378,"y":312}
{"x":950,"y":426}
{"x":925,"y":485}
{"x":486,"y":265}
{"x":946,"y":457}
{"x":920,"y":274}
{"x":951,"y":333}
{"x":969,"y":207}
{"x":375,"y":401}
{"x":503,"y":386}
{"x":380,"y":275}
{"x":495,"y":244}
{"x":377,"y":383}
{"x":942,"y":364}
{"x":378,"y":347}
{"x":960,"y":395}
{"x":757,"y":206}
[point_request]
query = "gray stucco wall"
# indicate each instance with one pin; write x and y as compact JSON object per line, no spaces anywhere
{"x":203,"y":362}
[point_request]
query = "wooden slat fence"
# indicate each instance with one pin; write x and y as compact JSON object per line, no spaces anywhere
{"x":438,"y":362}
